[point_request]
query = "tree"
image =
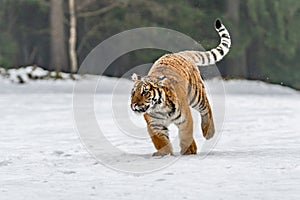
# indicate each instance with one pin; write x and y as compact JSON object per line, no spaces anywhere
{"x":265,"y":35}
{"x":7,"y":42}
{"x":57,"y":32}
{"x":72,"y":38}
{"x":273,"y":45}
{"x":236,"y":64}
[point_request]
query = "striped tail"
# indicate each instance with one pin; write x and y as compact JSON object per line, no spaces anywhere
{"x":204,"y":58}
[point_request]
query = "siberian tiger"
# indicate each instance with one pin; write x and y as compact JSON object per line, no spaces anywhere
{"x":172,"y":86}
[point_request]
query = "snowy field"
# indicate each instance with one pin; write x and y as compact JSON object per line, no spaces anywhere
{"x":42,"y":157}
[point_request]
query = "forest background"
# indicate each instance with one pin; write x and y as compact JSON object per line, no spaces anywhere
{"x":58,"y":34}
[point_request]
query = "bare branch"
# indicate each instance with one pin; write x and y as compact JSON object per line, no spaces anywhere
{"x":81,"y":5}
{"x":102,"y":10}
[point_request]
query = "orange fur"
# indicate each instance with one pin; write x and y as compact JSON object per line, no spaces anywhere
{"x":172,"y":86}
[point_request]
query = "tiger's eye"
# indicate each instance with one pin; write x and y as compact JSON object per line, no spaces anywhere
{"x":144,"y":91}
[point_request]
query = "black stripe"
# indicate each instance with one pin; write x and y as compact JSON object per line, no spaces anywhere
{"x":202,"y":105}
{"x":222,"y":29}
{"x":203,"y":113}
{"x":202,"y":58}
{"x":224,"y":35}
{"x":155,"y":117}
{"x":161,"y":78}
{"x":194,"y":97}
{"x":189,"y":90}
{"x":153,"y":98}
{"x":159,"y":99}
{"x":159,"y":126}
{"x":198,"y":56}
{"x":202,"y":92}
{"x":215,"y":56}
{"x":198,"y":100}
{"x":177,"y":117}
{"x":208,"y":57}
{"x":173,"y":108}
{"x":220,"y":51}
{"x":225,"y":45}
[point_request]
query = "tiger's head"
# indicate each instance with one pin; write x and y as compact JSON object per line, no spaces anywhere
{"x":146,"y":92}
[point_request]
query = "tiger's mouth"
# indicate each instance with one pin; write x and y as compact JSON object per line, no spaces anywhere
{"x":139,"y":109}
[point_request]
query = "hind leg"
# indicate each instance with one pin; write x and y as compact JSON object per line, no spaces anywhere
{"x":207,"y":122}
{"x":187,"y":142}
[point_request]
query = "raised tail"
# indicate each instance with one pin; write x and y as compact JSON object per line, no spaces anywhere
{"x":204,"y":58}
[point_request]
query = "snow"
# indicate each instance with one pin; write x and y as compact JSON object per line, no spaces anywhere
{"x":32,"y":73}
{"x":42,"y":156}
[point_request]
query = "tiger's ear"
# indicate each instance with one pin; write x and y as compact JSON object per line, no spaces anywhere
{"x":161,"y":81}
{"x":135,"y":77}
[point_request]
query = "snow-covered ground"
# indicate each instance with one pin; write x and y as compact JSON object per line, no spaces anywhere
{"x":30,"y":73}
{"x":42,"y":156}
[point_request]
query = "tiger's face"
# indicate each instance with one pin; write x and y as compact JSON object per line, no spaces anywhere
{"x":145,"y":93}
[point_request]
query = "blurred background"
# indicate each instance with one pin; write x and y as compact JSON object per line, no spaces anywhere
{"x":58,"y":34}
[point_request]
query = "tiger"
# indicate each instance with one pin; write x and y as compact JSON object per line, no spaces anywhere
{"x":172,"y":86}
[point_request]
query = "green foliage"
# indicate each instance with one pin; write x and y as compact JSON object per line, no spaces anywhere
{"x":274,"y":26}
{"x":268,"y":31}
{"x":277,"y":22}
{"x":23,"y":32}
{"x":7,"y":50}
{"x":142,"y":13}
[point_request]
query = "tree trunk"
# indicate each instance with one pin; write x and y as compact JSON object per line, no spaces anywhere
{"x":236,"y":66}
{"x":72,"y":38}
{"x":58,"y":47}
